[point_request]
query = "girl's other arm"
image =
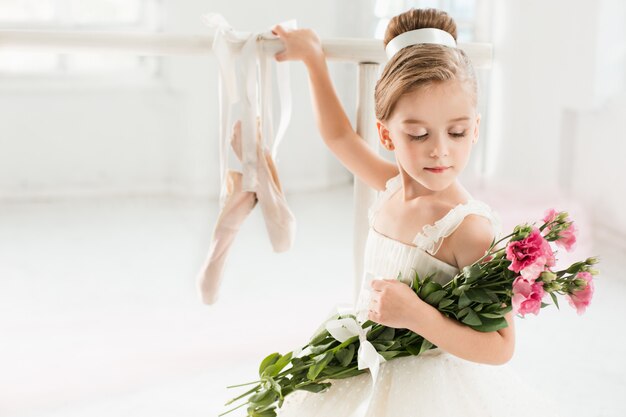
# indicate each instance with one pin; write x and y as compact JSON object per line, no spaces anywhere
{"x":332,"y":121}
{"x":469,"y":243}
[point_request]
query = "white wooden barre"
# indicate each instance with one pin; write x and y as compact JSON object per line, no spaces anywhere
{"x":341,"y":49}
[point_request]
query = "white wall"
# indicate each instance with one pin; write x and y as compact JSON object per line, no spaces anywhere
{"x":597,"y":172}
{"x":557,"y":102}
{"x":66,"y":139}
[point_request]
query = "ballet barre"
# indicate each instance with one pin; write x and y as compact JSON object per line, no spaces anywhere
{"x":358,"y":50}
{"x":368,"y":54}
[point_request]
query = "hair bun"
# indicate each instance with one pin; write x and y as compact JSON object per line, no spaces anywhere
{"x":418,"y":19}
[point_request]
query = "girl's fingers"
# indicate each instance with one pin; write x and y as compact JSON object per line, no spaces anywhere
{"x":278,"y":30}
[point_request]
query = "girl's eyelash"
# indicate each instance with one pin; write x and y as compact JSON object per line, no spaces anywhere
{"x":456,"y":135}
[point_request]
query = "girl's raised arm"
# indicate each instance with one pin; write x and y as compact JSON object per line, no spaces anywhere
{"x":332,"y":122}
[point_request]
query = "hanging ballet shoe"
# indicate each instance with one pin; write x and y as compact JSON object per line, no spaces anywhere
{"x":236,"y":209}
{"x":238,"y":205}
{"x":279,"y":220}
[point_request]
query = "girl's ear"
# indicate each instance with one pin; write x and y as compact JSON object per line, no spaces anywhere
{"x":383,"y":136}
{"x":476,"y":129}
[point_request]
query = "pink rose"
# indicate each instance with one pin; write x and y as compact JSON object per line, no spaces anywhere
{"x":527,"y":296}
{"x":567,"y":238}
{"x":530,"y":256}
{"x":580,"y":299}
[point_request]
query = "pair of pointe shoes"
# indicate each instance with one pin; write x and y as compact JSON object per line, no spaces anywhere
{"x":279,"y":221}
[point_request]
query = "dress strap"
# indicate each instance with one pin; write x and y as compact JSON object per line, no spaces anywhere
{"x":391,"y":186}
{"x":431,"y":236}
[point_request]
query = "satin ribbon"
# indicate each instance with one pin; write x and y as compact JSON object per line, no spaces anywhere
{"x":342,"y":330}
{"x":237,"y":86}
{"x":368,"y":357}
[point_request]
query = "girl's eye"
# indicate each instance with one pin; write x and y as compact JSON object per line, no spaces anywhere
{"x":422,"y":137}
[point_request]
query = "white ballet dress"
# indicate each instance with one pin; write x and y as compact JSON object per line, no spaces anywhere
{"x":434,"y":383}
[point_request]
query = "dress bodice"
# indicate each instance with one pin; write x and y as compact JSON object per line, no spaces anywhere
{"x":386,"y":257}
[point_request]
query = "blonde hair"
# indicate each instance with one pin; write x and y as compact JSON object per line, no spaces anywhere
{"x":421,"y":65}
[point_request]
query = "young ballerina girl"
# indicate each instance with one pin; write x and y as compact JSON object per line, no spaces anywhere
{"x":423,"y":220}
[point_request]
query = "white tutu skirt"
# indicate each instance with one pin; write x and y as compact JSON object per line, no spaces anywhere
{"x":433,"y":384}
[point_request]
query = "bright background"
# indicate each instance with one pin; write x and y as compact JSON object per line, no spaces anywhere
{"x":109,"y":173}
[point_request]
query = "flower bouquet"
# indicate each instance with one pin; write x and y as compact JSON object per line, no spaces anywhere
{"x":513,"y":278}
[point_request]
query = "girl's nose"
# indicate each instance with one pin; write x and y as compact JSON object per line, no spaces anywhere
{"x":440,"y":148}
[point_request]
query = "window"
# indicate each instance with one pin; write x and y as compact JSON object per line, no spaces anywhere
{"x":77,"y":15}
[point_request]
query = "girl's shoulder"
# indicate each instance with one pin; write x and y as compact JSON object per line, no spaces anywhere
{"x":472,"y":231}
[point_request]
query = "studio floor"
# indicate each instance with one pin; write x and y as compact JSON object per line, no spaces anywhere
{"x":99,"y":313}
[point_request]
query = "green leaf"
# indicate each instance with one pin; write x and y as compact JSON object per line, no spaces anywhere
{"x":445,"y":303}
{"x":350,"y":373}
{"x":269,"y":360}
{"x":556,"y":302}
{"x":383,"y":345}
{"x":375,"y":332}
{"x":387,"y":334}
{"x":492,"y":308}
{"x":276,"y":387}
{"x":317,"y":367}
{"x":493,"y":297}
{"x":458,"y":291}
{"x":322,"y":348}
{"x":274,"y":369}
{"x":425,"y":346}
{"x":429,"y":288}
{"x":478,"y":295}
{"x":314,"y":387}
{"x":472,"y":319}
{"x":266,"y":413}
{"x":397,"y":344}
{"x":344,"y":356}
{"x":490,"y":315}
{"x":297,"y":362}
{"x":263,"y":398}
{"x":544,"y":304}
{"x":390,"y":354}
{"x":413,"y":350}
{"x":464,"y":301}
{"x":463,"y":312}
{"x":368,"y":323}
{"x":490,"y":325}
{"x":435,"y":297}
{"x":416,"y":282}
{"x":472,"y":273}
{"x":319,"y":336}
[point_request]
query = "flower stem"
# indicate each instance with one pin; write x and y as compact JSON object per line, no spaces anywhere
{"x":226,"y":412}
{"x":243,"y":395}
{"x":241,"y":385}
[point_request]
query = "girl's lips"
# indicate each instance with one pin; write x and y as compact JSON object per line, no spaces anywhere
{"x":435,"y":170}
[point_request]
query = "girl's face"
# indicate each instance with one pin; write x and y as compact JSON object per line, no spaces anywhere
{"x":434,"y":126}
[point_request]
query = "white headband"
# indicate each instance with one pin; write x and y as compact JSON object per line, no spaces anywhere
{"x":413,"y":37}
